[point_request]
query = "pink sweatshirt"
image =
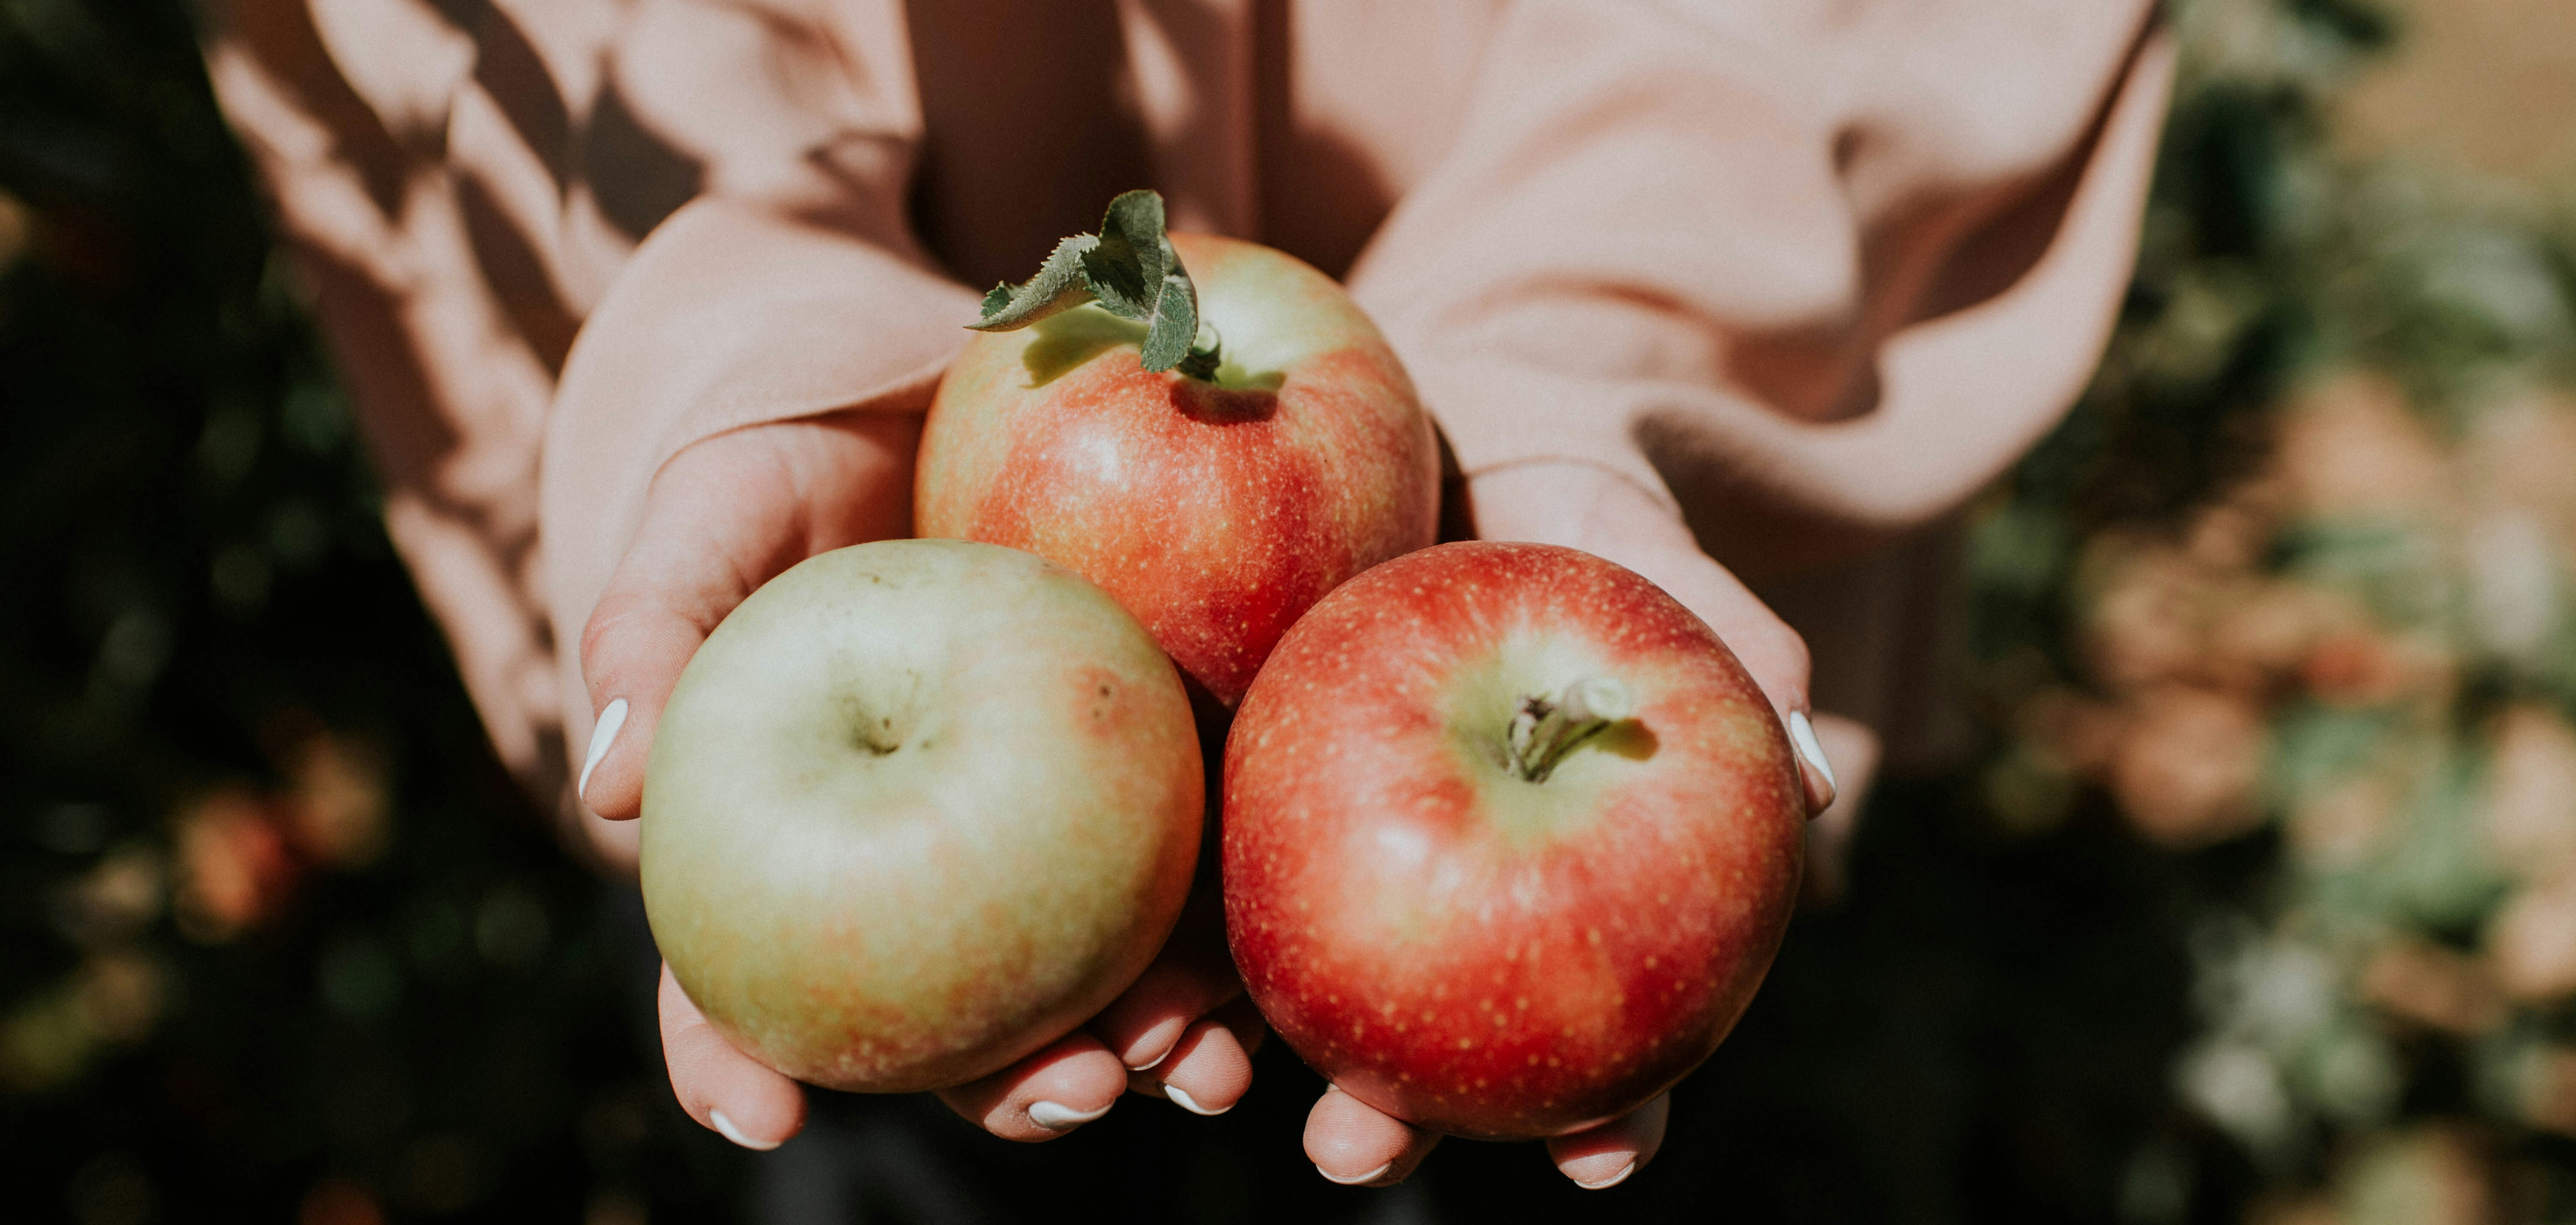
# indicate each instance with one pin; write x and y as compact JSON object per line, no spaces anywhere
{"x":1812,"y":271}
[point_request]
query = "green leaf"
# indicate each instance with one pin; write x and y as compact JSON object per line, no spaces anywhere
{"x":1128,"y":266}
{"x":1175,"y":325}
{"x":1130,"y":270}
{"x":1059,"y":286}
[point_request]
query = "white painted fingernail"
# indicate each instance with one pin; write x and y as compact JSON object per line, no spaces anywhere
{"x":1604,"y":1184}
{"x":611,"y":721}
{"x":725,"y":1128}
{"x":1056,"y":1116}
{"x":1371,"y":1176}
{"x":1181,"y":1098}
{"x":1803,"y":735}
{"x":1157,"y":1061}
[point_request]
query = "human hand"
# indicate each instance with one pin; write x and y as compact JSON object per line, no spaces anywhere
{"x":1592,"y":509}
{"x":1184,"y":1032}
{"x":724,"y":516}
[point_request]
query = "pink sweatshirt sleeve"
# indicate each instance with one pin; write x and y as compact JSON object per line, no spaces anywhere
{"x":1813,"y":279}
{"x":1811,"y":272}
{"x":553,"y":242}
{"x":791,"y":286}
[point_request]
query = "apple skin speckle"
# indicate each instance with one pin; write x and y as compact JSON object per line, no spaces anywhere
{"x":1627,"y":908}
{"x":1217,"y":515}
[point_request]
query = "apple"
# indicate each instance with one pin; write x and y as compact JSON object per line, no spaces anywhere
{"x":1510,"y":839}
{"x":1217,"y":505}
{"x":916,"y":809}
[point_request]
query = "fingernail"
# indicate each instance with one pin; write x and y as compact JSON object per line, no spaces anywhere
{"x":1181,"y":1098}
{"x":1604,"y":1184}
{"x":1371,"y":1176}
{"x":611,"y":721}
{"x":725,"y":1127}
{"x":1803,"y":734}
{"x":1056,"y":1116}
{"x":1155,"y":1062}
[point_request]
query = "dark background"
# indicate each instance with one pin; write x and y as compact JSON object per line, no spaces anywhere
{"x":283,"y":943}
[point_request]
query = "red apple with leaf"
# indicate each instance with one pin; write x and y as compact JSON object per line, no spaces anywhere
{"x":1510,"y":839}
{"x":1216,"y":443}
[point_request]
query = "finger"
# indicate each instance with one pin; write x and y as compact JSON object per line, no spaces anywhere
{"x":1773,"y":654}
{"x":724,"y":516}
{"x":722,"y":1088}
{"x":1187,"y":981}
{"x":1210,"y":1068}
{"x":1354,"y":1144}
{"x":1815,"y":766}
{"x":1070,"y":1083}
{"x":1603,"y":1157}
{"x":1855,"y":748}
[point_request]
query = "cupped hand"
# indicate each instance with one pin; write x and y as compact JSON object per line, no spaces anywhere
{"x":1602,"y":513}
{"x":724,"y":516}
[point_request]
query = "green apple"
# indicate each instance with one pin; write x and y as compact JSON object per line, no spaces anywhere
{"x":916,"y":809}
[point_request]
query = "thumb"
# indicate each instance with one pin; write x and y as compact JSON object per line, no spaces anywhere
{"x":724,"y":516}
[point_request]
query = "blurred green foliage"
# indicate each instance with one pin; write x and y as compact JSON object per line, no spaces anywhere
{"x":2293,"y":592}
{"x":273,"y":915}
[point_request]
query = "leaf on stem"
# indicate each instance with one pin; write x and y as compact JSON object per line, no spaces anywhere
{"x":1131,"y":270}
{"x":1128,"y":265}
{"x":1059,"y":286}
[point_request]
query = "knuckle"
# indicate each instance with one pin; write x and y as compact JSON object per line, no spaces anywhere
{"x":1788,"y":648}
{"x":599,"y":635}
{"x":1777,"y":655}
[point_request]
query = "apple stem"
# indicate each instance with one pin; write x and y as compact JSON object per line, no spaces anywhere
{"x":1207,"y":353}
{"x":1547,"y":728}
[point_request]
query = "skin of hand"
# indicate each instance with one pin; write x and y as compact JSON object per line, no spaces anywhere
{"x":724,"y":516}
{"x":1592,"y":509}
{"x":734,"y":510}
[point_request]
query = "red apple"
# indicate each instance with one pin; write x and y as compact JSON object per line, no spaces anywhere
{"x":1218,"y":508}
{"x":1509,"y":839}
